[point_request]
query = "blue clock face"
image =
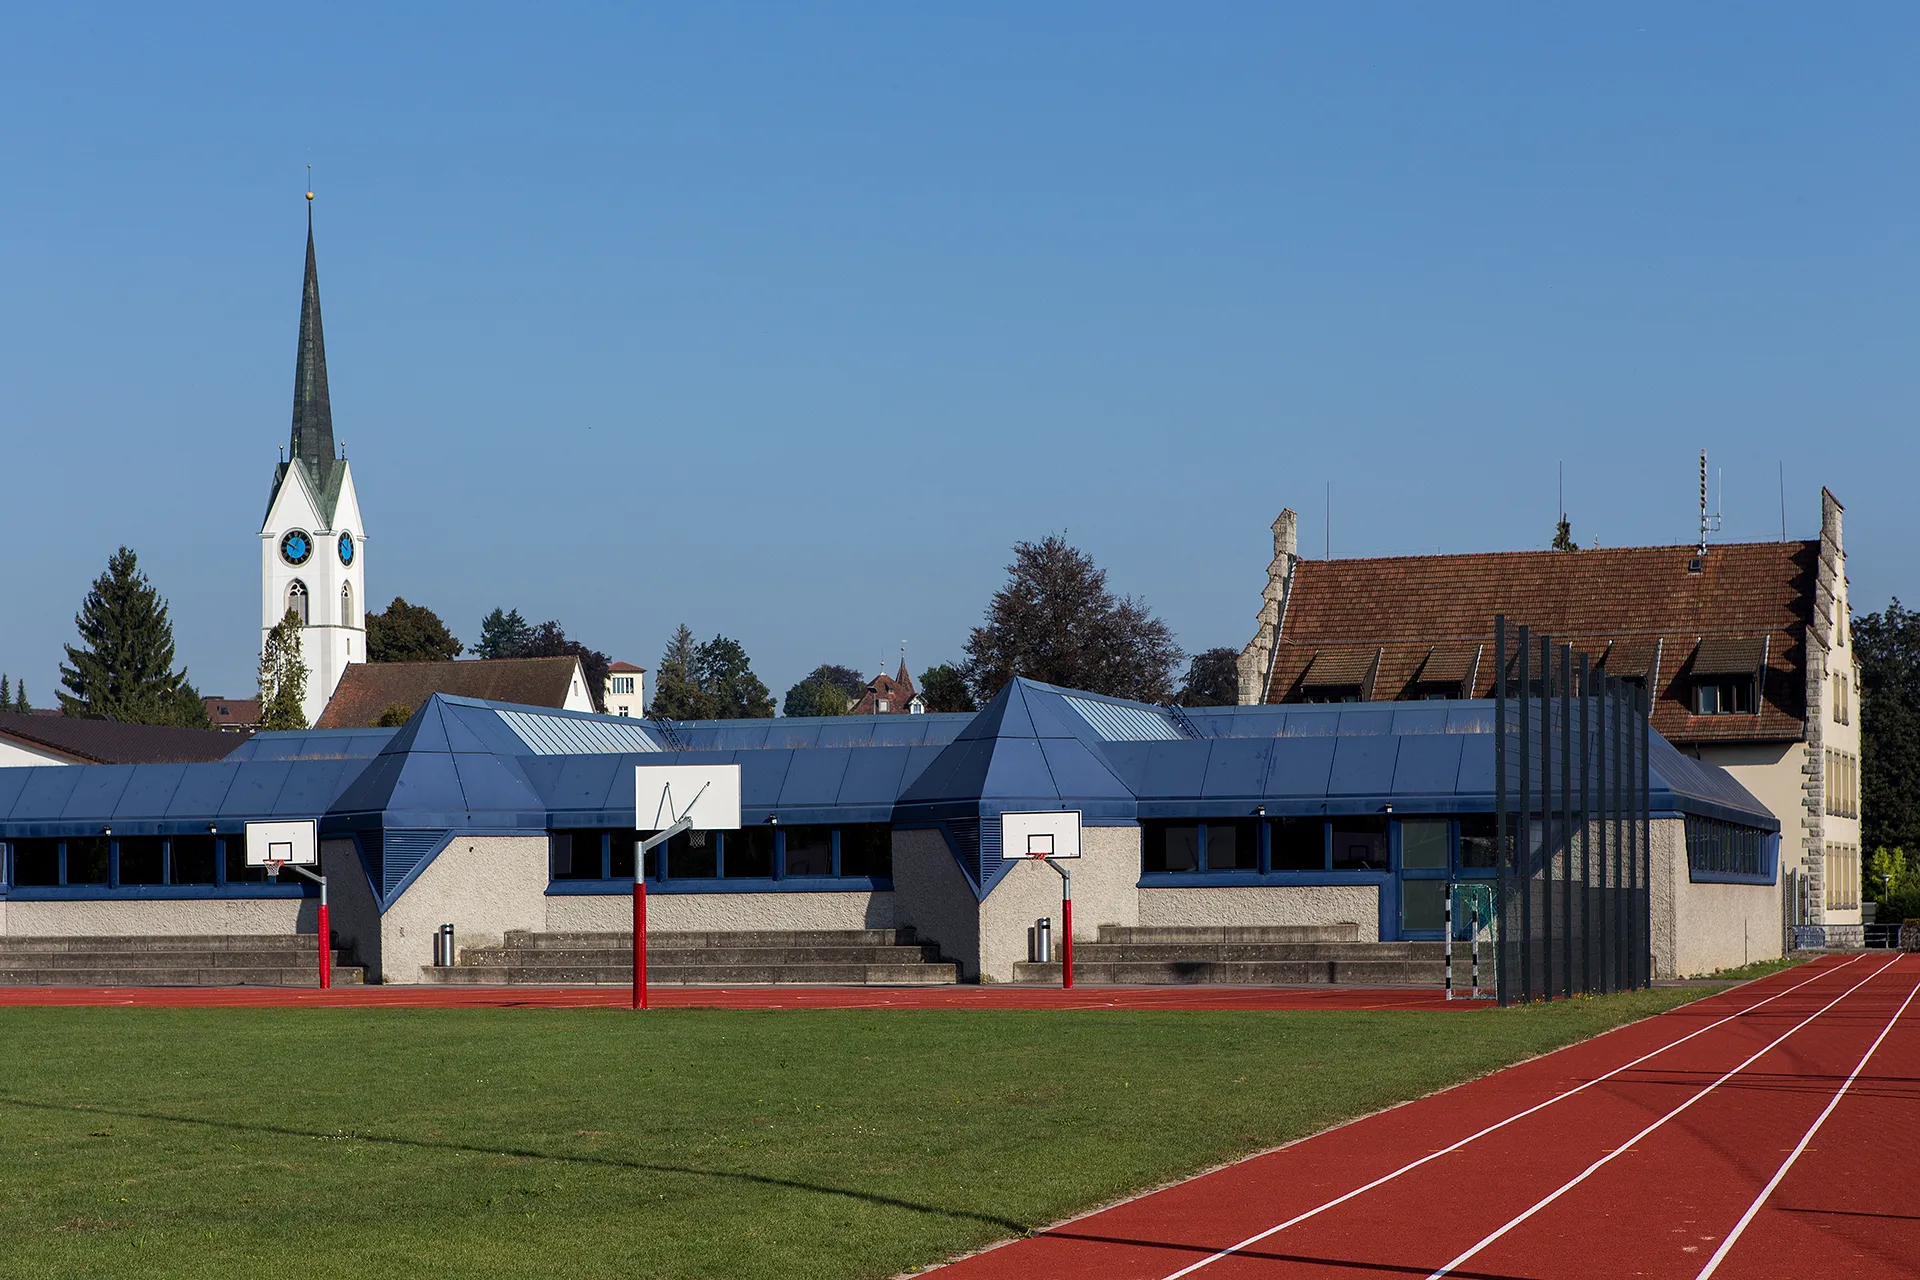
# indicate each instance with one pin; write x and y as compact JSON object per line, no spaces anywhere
{"x":346,"y":548}
{"x":296,"y":546}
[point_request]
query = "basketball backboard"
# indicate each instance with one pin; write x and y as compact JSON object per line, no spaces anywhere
{"x":1045,"y":835}
{"x":293,"y":842}
{"x":709,"y":794}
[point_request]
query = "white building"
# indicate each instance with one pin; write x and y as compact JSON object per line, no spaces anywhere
{"x":312,"y":543}
{"x":626,"y":691}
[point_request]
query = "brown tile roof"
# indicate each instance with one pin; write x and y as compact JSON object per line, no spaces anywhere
{"x":369,"y":688}
{"x":1625,"y":608}
{"x":227,"y":712}
{"x":110,"y":742}
{"x":624,"y":668}
{"x":897,"y":689}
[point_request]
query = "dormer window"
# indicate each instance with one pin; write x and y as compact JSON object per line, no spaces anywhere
{"x":882,"y":705}
{"x":1726,"y":675}
{"x":1723,"y":696}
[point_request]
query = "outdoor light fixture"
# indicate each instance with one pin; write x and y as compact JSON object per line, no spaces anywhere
{"x":773,"y":819}
{"x":213,"y":828}
{"x":1389,"y":807}
{"x":106,"y":831}
{"x":1259,"y":811}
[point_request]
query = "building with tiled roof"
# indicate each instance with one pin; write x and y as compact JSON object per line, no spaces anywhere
{"x":29,"y":739}
{"x":232,"y":714}
{"x":370,"y":690}
{"x":1745,"y":648}
{"x":626,"y":690}
{"x":890,"y":695}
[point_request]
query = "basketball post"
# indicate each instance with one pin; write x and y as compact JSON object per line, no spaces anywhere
{"x":714,"y":806}
{"x":1048,"y":837}
{"x":294,"y":846}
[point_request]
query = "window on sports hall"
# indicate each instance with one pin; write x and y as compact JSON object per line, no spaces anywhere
{"x":36,"y":862}
{"x":866,"y":849}
{"x":1478,"y":848}
{"x":1231,"y":846}
{"x":87,"y":859}
{"x":809,"y":851}
{"x":238,"y":872}
{"x":190,"y":860}
{"x":693,"y":855}
{"x":747,"y":854}
{"x":1297,"y":844}
{"x":1360,"y":843}
{"x":1724,"y":848}
{"x":579,"y":855}
{"x":143,"y":860}
{"x":1169,"y":847}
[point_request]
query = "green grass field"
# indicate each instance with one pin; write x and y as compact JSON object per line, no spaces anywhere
{"x":672,"y":1144}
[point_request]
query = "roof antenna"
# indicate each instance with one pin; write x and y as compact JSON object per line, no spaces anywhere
{"x":1783,"y":499}
{"x":1708,"y":523}
{"x":1329,"y":519}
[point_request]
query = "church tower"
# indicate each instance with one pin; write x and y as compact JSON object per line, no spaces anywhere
{"x":312,"y":547}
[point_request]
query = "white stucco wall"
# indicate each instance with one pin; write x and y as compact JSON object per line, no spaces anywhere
{"x":327,"y":644}
{"x":353,"y":913}
{"x":1104,"y":892}
{"x":1356,"y":904}
{"x":482,"y":885}
{"x":15,"y":754}
{"x":1702,"y":928}
{"x":172,"y":917}
{"x":690,"y":912}
{"x":931,"y":896}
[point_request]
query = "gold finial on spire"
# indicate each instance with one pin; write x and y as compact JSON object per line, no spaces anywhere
{"x":309,"y":182}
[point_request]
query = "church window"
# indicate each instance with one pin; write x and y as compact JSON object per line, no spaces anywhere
{"x":297,"y":600}
{"x":346,"y":604}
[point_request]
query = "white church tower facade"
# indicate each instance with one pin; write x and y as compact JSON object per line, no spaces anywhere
{"x":312,"y":544}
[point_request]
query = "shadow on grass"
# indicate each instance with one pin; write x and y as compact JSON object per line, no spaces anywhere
{"x":521,"y":1153}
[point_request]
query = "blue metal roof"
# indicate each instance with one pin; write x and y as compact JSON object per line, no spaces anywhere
{"x":462,"y":765}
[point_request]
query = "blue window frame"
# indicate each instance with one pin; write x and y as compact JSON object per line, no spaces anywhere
{"x":169,"y":866}
{"x":595,"y":860}
{"x":1728,"y":853}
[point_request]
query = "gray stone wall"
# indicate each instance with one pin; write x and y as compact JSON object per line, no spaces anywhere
{"x":1256,"y":660}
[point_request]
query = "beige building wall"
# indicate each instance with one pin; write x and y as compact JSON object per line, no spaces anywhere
{"x":1703,"y":928}
{"x":1309,"y":904}
{"x":720,"y":912}
{"x":15,"y":754}
{"x":933,"y":897}
{"x":1105,"y":877}
{"x":158,"y":917}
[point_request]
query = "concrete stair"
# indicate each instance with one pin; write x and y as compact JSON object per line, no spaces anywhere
{"x":837,"y":957}
{"x":1274,"y":955}
{"x":222,"y":960}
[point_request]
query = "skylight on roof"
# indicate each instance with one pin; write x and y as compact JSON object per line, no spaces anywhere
{"x":550,"y":735}
{"x":1117,"y":722}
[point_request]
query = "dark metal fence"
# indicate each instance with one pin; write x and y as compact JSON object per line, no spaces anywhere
{"x":1572,"y":783}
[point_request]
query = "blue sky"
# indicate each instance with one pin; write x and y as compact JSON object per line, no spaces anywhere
{"x":787,"y":321}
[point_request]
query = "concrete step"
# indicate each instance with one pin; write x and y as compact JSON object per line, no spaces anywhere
{"x":623,"y":941}
{"x":915,"y":974}
{"x":165,"y":959}
{"x":1123,"y":952}
{"x":293,"y":942}
{"x":519,"y":956}
{"x":1275,"y":973}
{"x":160,"y":976}
{"x":1230,"y":933}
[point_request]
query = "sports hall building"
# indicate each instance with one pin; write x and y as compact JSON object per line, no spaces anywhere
{"x":501,"y":819}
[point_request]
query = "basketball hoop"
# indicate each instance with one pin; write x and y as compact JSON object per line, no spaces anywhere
{"x":273,"y":866}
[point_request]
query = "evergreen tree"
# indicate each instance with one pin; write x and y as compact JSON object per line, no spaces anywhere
{"x":1563,"y":536}
{"x":283,"y":677}
{"x":945,"y":689}
{"x":724,"y":673}
{"x":1055,"y":621}
{"x":409,"y":633}
{"x":123,"y":669}
{"x":6,"y":693}
{"x":677,"y":694}
{"x":503,"y":634}
{"x":20,"y":702}
{"x":1887,"y":645}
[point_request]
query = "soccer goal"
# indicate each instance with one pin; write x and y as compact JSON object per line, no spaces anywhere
{"x":1470,"y":919}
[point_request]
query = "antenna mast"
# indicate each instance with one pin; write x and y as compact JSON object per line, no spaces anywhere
{"x":1708,"y":523}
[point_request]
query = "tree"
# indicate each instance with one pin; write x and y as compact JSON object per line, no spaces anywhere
{"x":6,"y":692}
{"x":409,"y":633}
{"x":827,"y":690}
{"x":503,"y":634}
{"x":945,"y":689}
{"x":20,"y":702}
{"x":283,"y":677}
{"x":549,"y":640}
{"x":1563,"y":536}
{"x":726,"y":676}
{"x":677,"y":694}
{"x":1887,"y":645}
{"x":124,"y":667}
{"x":395,"y":715}
{"x":1213,"y":679}
{"x":1055,"y":621}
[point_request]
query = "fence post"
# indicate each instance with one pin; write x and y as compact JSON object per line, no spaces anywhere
{"x":1503,"y":851}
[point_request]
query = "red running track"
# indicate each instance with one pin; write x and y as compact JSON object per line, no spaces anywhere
{"x":969,"y":997}
{"x":1663,"y":1149}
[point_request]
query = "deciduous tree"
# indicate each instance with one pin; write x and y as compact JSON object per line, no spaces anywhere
{"x":1887,"y":645}
{"x":827,"y":690}
{"x":409,"y":633}
{"x":549,"y":640}
{"x":283,"y":677}
{"x":945,"y":689}
{"x":1055,"y":621}
{"x":1213,"y":679}
{"x":725,"y":674}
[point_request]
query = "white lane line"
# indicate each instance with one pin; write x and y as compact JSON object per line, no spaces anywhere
{"x":1337,"y":1201}
{"x":1719,"y":1255}
{"x":1629,"y":1144}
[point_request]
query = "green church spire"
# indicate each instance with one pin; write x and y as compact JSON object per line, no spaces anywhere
{"x":312,"y":412}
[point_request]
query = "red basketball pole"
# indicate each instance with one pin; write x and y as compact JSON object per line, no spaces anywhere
{"x":326,"y":934}
{"x":639,"y":935}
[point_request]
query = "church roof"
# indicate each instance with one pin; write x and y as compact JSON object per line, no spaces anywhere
{"x":312,"y":446}
{"x":369,"y":688}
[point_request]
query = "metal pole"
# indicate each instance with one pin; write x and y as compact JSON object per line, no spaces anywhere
{"x":1501,"y":851}
{"x":1447,"y":945}
{"x":1523,"y":842}
{"x":1066,"y":923}
{"x":326,"y":933}
{"x":1646,"y":828}
{"x":1547,"y":834}
{"x":1566,"y":820}
{"x":1618,"y":732}
{"x":640,"y":852}
{"x":1474,"y":942}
